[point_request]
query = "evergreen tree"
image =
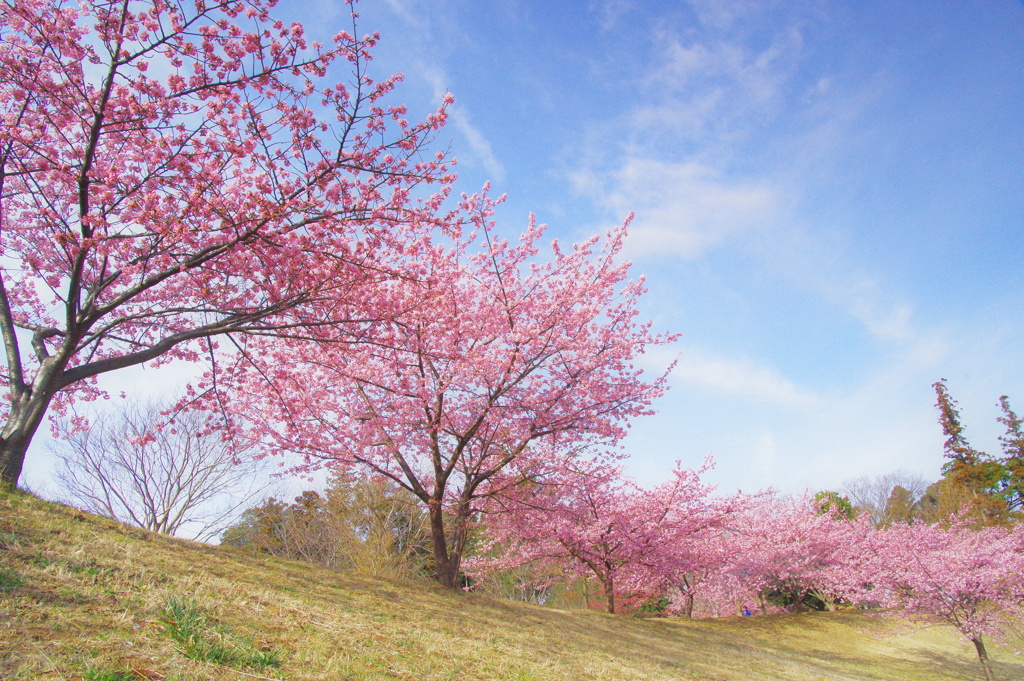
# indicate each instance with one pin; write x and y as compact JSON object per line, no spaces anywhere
{"x":992,"y":487}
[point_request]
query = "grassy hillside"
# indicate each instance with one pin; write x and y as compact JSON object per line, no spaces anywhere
{"x":85,"y":598}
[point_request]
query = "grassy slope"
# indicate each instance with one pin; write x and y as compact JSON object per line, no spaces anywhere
{"x":92,"y":591}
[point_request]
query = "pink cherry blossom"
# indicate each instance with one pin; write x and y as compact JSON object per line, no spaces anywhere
{"x":638,"y":543}
{"x":171,"y":172}
{"x":493,"y":365}
{"x":958,"y":575}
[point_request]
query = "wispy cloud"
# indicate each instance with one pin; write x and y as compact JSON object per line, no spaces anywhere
{"x":679,"y":148}
{"x":431,"y":23}
{"x":481,"y":151}
{"x":723,"y":14}
{"x":739,"y":377}
{"x":712,"y":94}
{"x":816,"y":260}
{"x":401,"y":9}
{"x":884,"y":319}
{"x":682,"y":209}
{"x":610,"y":12}
{"x":758,"y":74}
{"x":692,"y":168}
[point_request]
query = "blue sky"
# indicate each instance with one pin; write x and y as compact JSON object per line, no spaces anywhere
{"x":829,"y":202}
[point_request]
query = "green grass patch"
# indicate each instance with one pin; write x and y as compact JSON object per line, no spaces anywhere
{"x":94,"y":674}
{"x":199,"y":637}
{"x":9,"y":579}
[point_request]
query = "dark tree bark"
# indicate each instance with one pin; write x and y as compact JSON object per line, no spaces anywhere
{"x":979,"y":645}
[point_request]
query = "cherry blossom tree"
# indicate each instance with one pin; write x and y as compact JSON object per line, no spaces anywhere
{"x":502,"y":367}
{"x":172,"y":172}
{"x":958,"y":575}
{"x":791,"y":553}
{"x":595,"y":522}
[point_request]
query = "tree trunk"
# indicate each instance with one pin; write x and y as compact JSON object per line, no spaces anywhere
{"x":609,"y":593}
{"x":684,"y":585}
{"x":28,"y":405}
{"x":12,"y":459}
{"x":21,"y":427}
{"x":688,"y":607}
{"x":444,"y":571}
{"x":979,"y":645}
{"x":448,"y":550}
{"x":588,"y":602}
{"x":798,"y":597}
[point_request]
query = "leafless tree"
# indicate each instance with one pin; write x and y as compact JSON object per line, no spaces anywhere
{"x":159,"y":472}
{"x":886,"y":495}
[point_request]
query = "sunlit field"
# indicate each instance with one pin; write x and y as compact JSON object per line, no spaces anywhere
{"x":83,"y":597}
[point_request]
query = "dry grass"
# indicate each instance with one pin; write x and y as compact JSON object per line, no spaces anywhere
{"x":84,"y":598}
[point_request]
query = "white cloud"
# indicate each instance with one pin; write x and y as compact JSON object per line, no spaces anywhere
{"x":884,"y":423}
{"x":718,"y":90}
{"x":816,"y":261}
{"x":765,"y":430}
{"x":723,"y":14}
{"x":328,"y":12}
{"x":610,"y":12}
{"x":682,"y":209}
{"x":480,"y":147}
{"x":483,"y":153}
{"x":758,"y":74}
{"x":705,"y":98}
{"x":883,"y":319}
{"x":401,"y":10}
{"x":739,"y":378}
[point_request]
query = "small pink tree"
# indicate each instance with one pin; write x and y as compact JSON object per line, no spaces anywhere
{"x":499,"y":367}
{"x":708,"y":587}
{"x":173,"y":172}
{"x":636,"y":542}
{"x":956,"y":575}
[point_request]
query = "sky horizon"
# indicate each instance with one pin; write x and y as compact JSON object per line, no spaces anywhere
{"x":828,"y":201}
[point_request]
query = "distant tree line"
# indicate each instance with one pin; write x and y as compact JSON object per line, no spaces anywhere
{"x":989,"y":488}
